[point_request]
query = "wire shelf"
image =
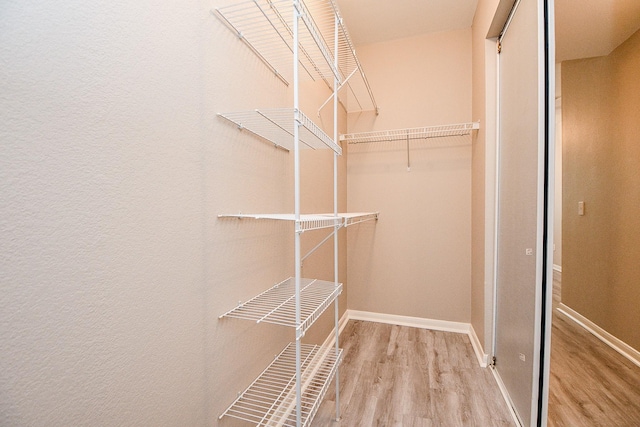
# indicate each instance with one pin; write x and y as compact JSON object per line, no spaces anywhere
{"x":305,"y":223}
{"x":266,"y":27}
{"x":357,"y":218}
{"x":277,"y":305}
{"x":308,"y":222}
{"x":276,"y":126}
{"x":271,"y":399}
{"x":411,"y":133}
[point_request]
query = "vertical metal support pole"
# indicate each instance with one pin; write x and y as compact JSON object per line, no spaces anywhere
{"x":296,"y":173}
{"x":335,"y":209}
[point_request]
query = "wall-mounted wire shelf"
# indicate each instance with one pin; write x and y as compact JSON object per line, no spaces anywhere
{"x":271,"y":399}
{"x":358,"y":217}
{"x":442,"y":131}
{"x":309,"y":222}
{"x":277,"y":304}
{"x":305,"y":223}
{"x":276,"y":126}
{"x":265,"y":26}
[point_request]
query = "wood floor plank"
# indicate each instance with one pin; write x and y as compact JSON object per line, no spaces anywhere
{"x":590,"y":383}
{"x":413,"y":421}
{"x":401,"y":376}
{"x":393,"y":375}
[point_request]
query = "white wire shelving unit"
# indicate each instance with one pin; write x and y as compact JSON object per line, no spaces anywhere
{"x":297,"y":39}
{"x":265,"y":26}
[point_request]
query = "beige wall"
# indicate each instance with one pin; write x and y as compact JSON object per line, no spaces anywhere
{"x":600,"y":276}
{"x":113,"y":168}
{"x":416,"y":261}
{"x":557,"y":209}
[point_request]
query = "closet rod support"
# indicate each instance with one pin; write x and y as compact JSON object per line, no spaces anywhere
{"x":340,"y":86}
{"x":408,"y":155}
{"x":316,"y":247}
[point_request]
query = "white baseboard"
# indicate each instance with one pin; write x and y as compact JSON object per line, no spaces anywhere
{"x":419,"y":322}
{"x":618,"y":345}
{"x":414,"y":322}
{"x":483,"y":358}
{"x":343,"y":321}
{"x":330,"y":341}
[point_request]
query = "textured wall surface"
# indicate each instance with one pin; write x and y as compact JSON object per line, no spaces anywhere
{"x":113,"y":167}
{"x":600,"y":271}
{"x":417,"y":259}
{"x":101,"y":217}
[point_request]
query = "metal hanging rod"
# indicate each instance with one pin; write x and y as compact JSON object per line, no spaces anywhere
{"x":276,"y":126}
{"x":442,"y":131}
{"x":265,"y":27}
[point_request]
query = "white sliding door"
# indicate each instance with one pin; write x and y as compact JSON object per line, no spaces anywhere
{"x":522,"y":241}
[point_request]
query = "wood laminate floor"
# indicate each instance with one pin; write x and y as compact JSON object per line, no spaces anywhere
{"x":401,"y":376}
{"x":590,"y":383}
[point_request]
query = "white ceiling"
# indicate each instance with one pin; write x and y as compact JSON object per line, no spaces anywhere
{"x":372,"y":21}
{"x":584,"y":28}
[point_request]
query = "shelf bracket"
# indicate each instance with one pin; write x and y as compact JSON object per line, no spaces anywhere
{"x":340,"y":86}
{"x":322,"y":242}
{"x":408,"y":155}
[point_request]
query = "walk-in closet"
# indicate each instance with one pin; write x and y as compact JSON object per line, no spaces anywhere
{"x":313,"y":38}
{"x":300,"y":213}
